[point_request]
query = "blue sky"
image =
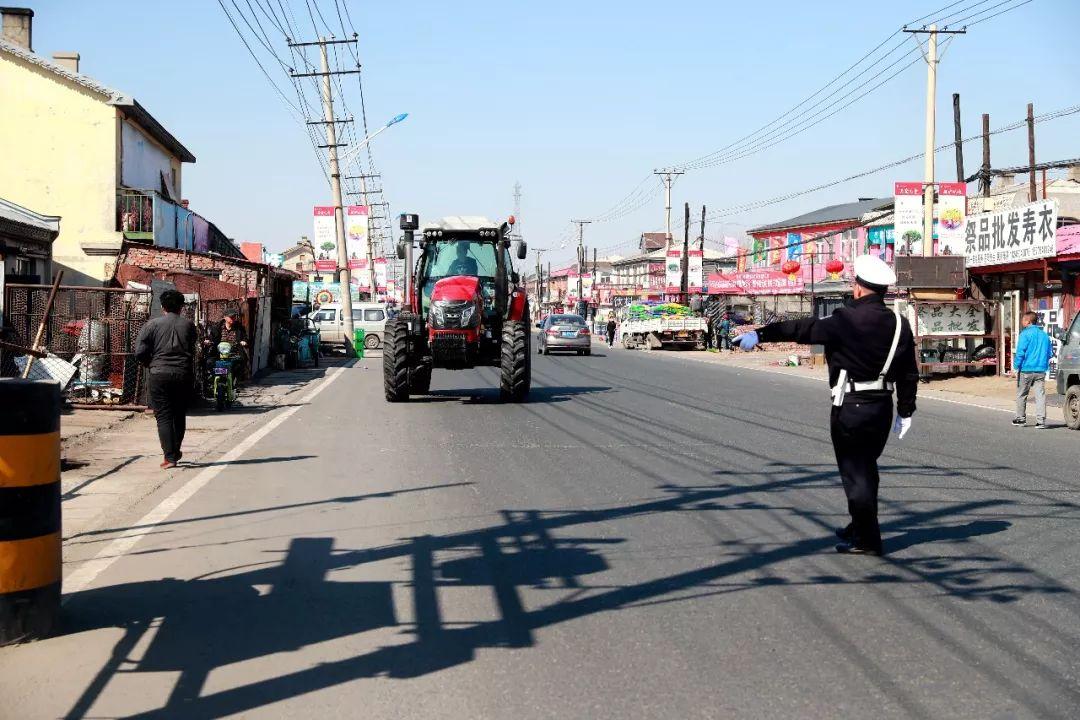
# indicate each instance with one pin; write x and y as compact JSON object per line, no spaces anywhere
{"x":576,"y":100}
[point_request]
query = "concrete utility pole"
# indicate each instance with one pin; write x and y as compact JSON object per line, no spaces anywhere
{"x":684,"y":284}
{"x":984,"y":173}
{"x":344,"y":276}
{"x":539,"y":279}
{"x":668,"y":177}
{"x":1032,"y":191}
{"x":580,"y":251}
{"x":931,"y":57}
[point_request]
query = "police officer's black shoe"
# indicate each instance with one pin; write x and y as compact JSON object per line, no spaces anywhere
{"x":845,"y":533}
{"x":847,"y":548}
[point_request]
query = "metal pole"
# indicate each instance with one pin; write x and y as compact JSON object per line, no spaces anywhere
{"x":1032,"y":190}
{"x":344,"y":278}
{"x":958,"y":138}
{"x":928,"y":152}
{"x":701,"y":240}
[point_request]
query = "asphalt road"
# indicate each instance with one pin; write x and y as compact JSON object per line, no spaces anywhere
{"x":648,"y":537}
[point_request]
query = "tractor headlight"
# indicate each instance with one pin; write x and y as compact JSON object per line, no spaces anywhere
{"x":438,"y":313}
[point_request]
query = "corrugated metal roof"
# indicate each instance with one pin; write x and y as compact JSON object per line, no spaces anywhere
{"x":18,"y":214}
{"x":113,"y":97}
{"x":830,"y":214}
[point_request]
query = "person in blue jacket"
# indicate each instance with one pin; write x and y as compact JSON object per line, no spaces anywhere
{"x":1031,"y":361}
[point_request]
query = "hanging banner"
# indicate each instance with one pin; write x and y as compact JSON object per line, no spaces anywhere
{"x":1028,"y":232}
{"x":795,"y":248}
{"x":908,"y":218}
{"x":759,"y":251}
{"x":673,"y":271}
{"x":694,"y":280}
{"x":952,"y":209}
{"x":324,"y":239}
{"x":356,"y":228}
{"x":775,"y":252}
{"x":571,"y":287}
{"x":380,"y":274}
{"x":740,"y":262}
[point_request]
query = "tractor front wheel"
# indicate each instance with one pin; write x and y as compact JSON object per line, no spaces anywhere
{"x":396,"y":358}
{"x":516,"y":362}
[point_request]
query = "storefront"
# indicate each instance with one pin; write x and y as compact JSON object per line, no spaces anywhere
{"x":26,"y":239}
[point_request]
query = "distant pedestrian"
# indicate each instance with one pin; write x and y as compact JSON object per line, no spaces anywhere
{"x":611,"y":326}
{"x":723,"y":332}
{"x":166,"y":345}
{"x":1031,"y":361}
{"x":709,"y":332}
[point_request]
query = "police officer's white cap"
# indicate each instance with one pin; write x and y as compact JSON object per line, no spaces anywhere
{"x":872,"y":270}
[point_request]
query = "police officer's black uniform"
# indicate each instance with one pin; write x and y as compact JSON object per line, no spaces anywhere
{"x":857,"y":338}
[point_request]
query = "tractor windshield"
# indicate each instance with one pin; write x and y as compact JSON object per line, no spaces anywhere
{"x":460,"y":257}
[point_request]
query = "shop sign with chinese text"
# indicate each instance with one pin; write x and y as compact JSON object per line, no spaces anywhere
{"x":1009,"y":236}
{"x":949,"y":318}
{"x":754,"y":282}
{"x":324,"y":238}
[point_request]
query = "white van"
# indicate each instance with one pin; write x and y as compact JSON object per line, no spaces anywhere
{"x":367,"y":315}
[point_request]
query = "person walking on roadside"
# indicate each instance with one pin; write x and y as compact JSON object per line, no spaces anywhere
{"x":710,"y":333}
{"x":611,"y":326}
{"x":870,"y":351}
{"x":1031,"y":361}
{"x":166,"y":345}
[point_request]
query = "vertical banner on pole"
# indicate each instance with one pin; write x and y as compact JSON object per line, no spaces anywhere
{"x":908,"y":217}
{"x":380,"y":274}
{"x":324,"y":239}
{"x":952,"y":210}
{"x":673,"y":271}
{"x":587,"y":287}
{"x":694,"y":280}
{"x":356,"y":228}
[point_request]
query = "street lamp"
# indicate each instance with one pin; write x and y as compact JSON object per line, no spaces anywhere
{"x":351,"y":155}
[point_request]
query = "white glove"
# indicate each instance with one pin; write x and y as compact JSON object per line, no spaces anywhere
{"x":900,"y":426}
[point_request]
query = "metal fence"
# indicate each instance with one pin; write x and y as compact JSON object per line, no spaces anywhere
{"x":90,"y":337}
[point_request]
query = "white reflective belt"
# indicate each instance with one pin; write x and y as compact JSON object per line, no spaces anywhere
{"x":870,"y":385}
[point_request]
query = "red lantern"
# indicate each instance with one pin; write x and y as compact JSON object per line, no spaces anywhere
{"x":791,"y":268}
{"x":834,"y":268}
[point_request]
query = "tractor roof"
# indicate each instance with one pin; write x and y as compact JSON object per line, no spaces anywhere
{"x":462,"y":223}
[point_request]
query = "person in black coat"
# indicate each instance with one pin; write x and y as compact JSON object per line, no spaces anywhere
{"x":870,"y":351}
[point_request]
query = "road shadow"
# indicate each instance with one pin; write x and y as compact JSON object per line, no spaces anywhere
{"x":490,"y":395}
{"x":207,"y":622}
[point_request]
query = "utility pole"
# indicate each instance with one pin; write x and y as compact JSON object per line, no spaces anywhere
{"x":668,"y":177}
{"x":580,"y":252}
{"x":931,"y":57}
{"x":1032,"y":190}
{"x":684,"y":285}
{"x":344,"y":276}
{"x":701,"y":239}
{"x":958,"y":139}
{"x":984,"y":172}
{"x":595,"y":283}
{"x":539,"y":278}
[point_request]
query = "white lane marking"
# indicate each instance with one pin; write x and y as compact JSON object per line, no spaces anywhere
{"x":821,"y":379}
{"x":88,"y":571}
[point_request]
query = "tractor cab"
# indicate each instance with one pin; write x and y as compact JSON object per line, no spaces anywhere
{"x":465,"y":305}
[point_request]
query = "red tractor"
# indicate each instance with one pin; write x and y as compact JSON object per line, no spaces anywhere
{"x":464,"y":307}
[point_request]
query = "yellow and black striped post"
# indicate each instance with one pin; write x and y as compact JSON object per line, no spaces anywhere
{"x":29,"y":509}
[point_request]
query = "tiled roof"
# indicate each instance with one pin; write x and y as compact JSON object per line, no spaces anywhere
{"x":830,"y":214}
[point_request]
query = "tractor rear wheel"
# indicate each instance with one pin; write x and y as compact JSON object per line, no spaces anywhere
{"x":396,"y":358}
{"x":516,"y":362}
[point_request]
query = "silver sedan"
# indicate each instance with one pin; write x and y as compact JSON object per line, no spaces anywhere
{"x":564,"y":332}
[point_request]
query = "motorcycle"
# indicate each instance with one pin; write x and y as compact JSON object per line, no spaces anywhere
{"x":222,"y":380}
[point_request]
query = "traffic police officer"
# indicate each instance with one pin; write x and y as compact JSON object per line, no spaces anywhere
{"x":870,"y":351}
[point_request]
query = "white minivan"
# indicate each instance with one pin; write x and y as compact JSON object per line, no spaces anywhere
{"x":367,"y":315}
